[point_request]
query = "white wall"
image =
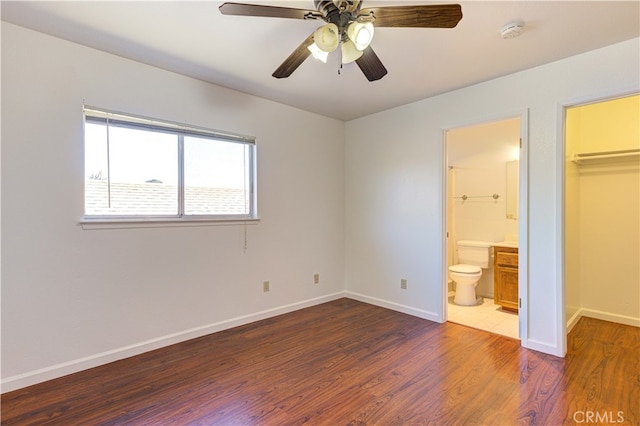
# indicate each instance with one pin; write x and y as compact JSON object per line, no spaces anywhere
{"x":74,"y":298}
{"x":395,"y":197}
{"x":610,"y":242}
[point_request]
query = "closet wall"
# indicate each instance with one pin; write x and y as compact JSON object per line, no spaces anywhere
{"x":602,"y":270}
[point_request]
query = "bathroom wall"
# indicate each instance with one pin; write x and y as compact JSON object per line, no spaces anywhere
{"x":478,"y":155}
{"x":607,"y":247}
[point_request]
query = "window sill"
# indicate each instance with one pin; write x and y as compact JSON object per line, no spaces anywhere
{"x":130,"y":223}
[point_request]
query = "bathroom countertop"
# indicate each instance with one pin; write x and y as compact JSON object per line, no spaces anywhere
{"x":512,"y":244}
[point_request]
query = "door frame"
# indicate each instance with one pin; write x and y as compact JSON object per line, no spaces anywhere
{"x":523,"y":214}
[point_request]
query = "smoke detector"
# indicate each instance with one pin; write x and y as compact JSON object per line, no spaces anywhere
{"x":512,"y":30}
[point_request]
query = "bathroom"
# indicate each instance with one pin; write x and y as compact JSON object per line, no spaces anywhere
{"x":482,"y":210}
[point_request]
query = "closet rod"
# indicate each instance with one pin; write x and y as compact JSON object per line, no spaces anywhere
{"x":466,"y":197}
{"x":578,"y":158}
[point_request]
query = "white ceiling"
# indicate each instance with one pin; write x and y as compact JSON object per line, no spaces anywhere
{"x":239,"y":52}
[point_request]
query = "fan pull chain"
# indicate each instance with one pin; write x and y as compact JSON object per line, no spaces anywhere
{"x":340,"y":69}
{"x":244,"y":248}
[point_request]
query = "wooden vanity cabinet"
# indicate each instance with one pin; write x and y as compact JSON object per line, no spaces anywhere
{"x":505,"y":277}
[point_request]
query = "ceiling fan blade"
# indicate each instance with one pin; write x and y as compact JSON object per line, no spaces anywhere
{"x":294,"y":60}
{"x":371,"y":65}
{"x":268,"y":11}
{"x":426,"y":16}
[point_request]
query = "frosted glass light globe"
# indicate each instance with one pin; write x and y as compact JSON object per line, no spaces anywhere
{"x":327,"y":37}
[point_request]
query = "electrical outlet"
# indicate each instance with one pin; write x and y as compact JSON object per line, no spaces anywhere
{"x":316,"y":278}
{"x":403,"y":283}
{"x":265,"y":286}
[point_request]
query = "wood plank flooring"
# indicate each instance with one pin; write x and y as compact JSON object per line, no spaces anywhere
{"x":350,"y":363}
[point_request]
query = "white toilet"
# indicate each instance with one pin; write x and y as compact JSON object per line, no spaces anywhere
{"x":473,"y":256}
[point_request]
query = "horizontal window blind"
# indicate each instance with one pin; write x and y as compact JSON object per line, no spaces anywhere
{"x":143,"y":168}
{"x":121,"y":120}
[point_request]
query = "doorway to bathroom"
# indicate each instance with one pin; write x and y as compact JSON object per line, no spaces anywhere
{"x":601,"y":210}
{"x":484,"y":210}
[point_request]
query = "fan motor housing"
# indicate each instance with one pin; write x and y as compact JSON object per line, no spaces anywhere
{"x":332,"y":14}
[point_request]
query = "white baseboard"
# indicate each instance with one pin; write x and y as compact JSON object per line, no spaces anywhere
{"x":571,"y":322}
{"x":601,"y":315}
{"x":432,"y":316}
{"x":74,"y":366}
{"x":608,"y":316}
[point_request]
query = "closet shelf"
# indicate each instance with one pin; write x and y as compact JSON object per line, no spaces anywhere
{"x":608,"y":156}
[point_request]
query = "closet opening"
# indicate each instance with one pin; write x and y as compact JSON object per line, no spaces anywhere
{"x":602,"y":211}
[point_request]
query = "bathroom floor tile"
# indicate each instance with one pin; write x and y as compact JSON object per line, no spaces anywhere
{"x":484,"y":316}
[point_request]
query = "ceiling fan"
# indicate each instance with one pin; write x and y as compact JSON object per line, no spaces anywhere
{"x":350,"y":27}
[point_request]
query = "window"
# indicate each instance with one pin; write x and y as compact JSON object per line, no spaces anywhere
{"x":138,"y":168}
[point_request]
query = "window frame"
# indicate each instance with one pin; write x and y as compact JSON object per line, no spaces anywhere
{"x":181,"y":130}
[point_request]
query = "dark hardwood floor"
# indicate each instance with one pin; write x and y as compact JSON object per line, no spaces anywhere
{"x":347,"y":362}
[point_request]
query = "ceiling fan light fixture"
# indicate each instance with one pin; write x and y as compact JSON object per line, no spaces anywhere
{"x":361,"y":34}
{"x":327,"y":37}
{"x":349,"y":52}
{"x":318,"y":53}
{"x":351,"y":24}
